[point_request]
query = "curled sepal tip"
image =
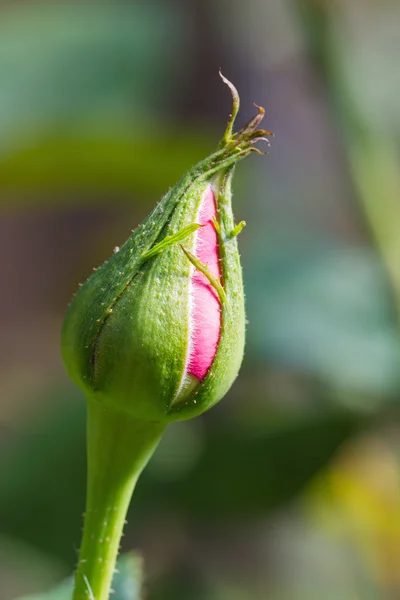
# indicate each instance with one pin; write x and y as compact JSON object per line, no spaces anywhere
{"x":249,"y":135}
{"x":235,"y":109}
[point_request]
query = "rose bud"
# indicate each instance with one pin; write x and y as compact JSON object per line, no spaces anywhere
{"x":157,"y":332}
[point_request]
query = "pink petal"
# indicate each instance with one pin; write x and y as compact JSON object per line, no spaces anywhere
{"x":205,"y":317}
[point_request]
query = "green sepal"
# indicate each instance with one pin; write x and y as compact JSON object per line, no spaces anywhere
{"x":238,"y":228}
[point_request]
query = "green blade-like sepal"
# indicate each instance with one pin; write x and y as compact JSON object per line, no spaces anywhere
{"x":216,"y":284}
{"x":170,"y":240}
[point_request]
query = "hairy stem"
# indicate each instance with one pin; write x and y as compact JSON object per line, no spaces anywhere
{"x":118,"y":449}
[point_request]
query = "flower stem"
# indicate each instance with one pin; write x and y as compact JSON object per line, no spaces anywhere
{"x":118,"y":448}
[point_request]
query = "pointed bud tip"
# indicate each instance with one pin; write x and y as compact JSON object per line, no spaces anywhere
{"x":234,"y":92}
{"x":249,"y":134}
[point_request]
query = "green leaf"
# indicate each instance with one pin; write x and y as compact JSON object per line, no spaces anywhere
{"x":83,"y":101}
{"x":63,"y":63}
{"x":127,"y":584}
{"x":51,"y":170}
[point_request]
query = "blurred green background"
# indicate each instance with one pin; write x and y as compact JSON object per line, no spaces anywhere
{"x":290,"y":488}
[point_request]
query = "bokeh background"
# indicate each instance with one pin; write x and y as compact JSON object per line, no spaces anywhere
{"x":290,"y":488}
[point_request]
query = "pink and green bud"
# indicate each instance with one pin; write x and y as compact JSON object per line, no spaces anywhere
{"x":158,"y":330}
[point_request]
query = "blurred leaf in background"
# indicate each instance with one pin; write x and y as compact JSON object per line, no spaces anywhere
{"x":85,"y":98}
{"x":275,"y":462}
{"x":327,"y":311}
{"x":127,"y":584}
